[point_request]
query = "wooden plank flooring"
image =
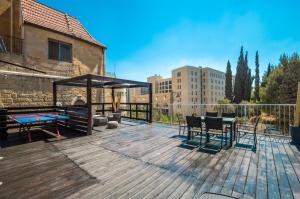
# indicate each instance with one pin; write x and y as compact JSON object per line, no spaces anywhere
{"x":147,"y":161}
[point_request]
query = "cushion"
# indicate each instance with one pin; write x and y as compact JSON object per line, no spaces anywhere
{"x":112,"y":125}
{"x":99,"y":120}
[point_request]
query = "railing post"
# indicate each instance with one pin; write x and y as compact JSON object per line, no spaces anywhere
{"x":130,"y":114}
{"x":3,"y":121}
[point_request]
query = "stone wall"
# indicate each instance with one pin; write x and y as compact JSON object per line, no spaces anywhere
{"x":17,"y":89}
{"x":87,"y":58}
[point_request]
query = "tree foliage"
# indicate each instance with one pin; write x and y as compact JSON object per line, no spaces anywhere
{"x":228,"y":82}
{"x":281,"y":83}
{"x":257,"y":79}
{"x":243,"y":79}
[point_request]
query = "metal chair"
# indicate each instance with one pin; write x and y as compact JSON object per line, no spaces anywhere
{"x":194,"y":125}
{"x":211,"y":114}
{"x":228,"y":115}
{"x":181,"y":123}
{"x":214,"y":126}
{"x":248,"y":129}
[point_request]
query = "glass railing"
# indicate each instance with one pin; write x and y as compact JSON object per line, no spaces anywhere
{"x":275,"y":118}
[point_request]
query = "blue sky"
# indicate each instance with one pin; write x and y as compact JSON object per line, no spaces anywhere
{"x":146,"y":37}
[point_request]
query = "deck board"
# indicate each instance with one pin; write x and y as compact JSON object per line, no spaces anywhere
{"x":147,"y":161}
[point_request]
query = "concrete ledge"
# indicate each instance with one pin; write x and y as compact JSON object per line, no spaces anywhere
{"x":5,"y":72}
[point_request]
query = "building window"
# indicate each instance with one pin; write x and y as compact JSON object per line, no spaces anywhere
{"x":178,"y":74}
{"x":60,"y":51}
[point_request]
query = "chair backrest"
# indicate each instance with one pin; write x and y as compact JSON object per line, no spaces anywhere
{"x":228,"y":115}
{"x":211,"y":114}
{"x":214,"y":123}
{"x":192,"y":121}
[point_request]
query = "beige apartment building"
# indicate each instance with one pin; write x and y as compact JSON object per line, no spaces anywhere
{"x":213,"y":85}
{"x":48,"y":45}
{"x":186,"y":91}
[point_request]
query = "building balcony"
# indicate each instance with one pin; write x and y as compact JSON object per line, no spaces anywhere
{"x":10,"y":44}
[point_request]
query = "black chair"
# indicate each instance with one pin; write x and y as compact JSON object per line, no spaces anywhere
{"x":211,"y":114}
{"x":248,"y":129}
{"x":181,"y":123}
{"x":228,"y":115}
{"x":194,"y":125}
{"x":214,"y":126}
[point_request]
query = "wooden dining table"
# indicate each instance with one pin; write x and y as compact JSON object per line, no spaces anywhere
{"x":226,"y":121}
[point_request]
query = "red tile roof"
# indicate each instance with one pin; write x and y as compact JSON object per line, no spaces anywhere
{"x":38,"y":14}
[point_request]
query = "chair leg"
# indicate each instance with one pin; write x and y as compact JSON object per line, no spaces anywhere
{"x":200,"y":140}
{"x":222,"y":142}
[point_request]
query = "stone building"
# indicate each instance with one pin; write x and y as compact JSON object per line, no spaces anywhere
{"x":45,"y":44}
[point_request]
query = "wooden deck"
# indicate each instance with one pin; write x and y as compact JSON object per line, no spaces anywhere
{"x":146,"y":161}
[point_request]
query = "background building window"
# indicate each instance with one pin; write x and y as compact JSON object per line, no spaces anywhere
{"x":59,"y":51}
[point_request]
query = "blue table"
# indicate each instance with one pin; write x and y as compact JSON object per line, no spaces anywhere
{"x":26,"y":121}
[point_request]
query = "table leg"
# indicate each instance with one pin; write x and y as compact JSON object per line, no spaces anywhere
{"x":56,"y":128}
{"x":28,"y":132}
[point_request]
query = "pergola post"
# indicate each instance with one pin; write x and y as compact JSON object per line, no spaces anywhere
{"x":150,"y":102}
{"x":113,"y":98}
{"x":89,"y":105}
{"x":54,"y":94}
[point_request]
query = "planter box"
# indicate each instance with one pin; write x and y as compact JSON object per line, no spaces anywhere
{"x":295,"y":134}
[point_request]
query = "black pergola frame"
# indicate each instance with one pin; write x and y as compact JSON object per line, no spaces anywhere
{"x":90,"y":81}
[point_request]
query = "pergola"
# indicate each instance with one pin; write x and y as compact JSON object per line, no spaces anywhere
{"x":90,"y":81}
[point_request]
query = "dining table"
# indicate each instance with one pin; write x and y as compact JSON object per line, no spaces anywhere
{"x":226,"y":121}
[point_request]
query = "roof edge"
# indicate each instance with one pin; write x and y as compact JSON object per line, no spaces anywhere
{"x":72,"y":36}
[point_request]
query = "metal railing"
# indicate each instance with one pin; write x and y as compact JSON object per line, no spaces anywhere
{"x":10,"y":44}
{"x":275,"y":118}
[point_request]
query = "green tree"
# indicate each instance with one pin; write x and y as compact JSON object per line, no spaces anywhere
{"x":256,"y":90}
{"x":270,"y":93}
{"x":240,"y":78}
{"x":247,"y":88}
{"x":291,"y":70}
{"x":228,"y":82}
{"x":266,"y":74}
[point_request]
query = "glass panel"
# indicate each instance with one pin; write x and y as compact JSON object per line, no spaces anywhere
{"x":53,"y":49}
{"x":65,"y":52}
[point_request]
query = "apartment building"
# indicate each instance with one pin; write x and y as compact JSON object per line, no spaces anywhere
{"x":187,"y":89}
{"x":213,"y":86}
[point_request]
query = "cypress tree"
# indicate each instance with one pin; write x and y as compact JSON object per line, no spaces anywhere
{"x":266,"y":74}
{"x":269,"y":70}
{"x":249,"y":85}
{"x":246,"y":78}
{"x":228,"y":82}
{"x":256,"y":91}
{"x":239,"y":78}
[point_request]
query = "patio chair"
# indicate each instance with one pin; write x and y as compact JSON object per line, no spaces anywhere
{"x":181,"y":123}
{"x":228,"y":115}
{"x":248,"y":129}
{"x":211,"y":114}
{"x":194,"y":125}
{"x":214,"y":126}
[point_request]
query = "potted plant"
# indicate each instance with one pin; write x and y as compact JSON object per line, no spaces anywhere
{"x":116,"y":113}
{"x":295,"y":134}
